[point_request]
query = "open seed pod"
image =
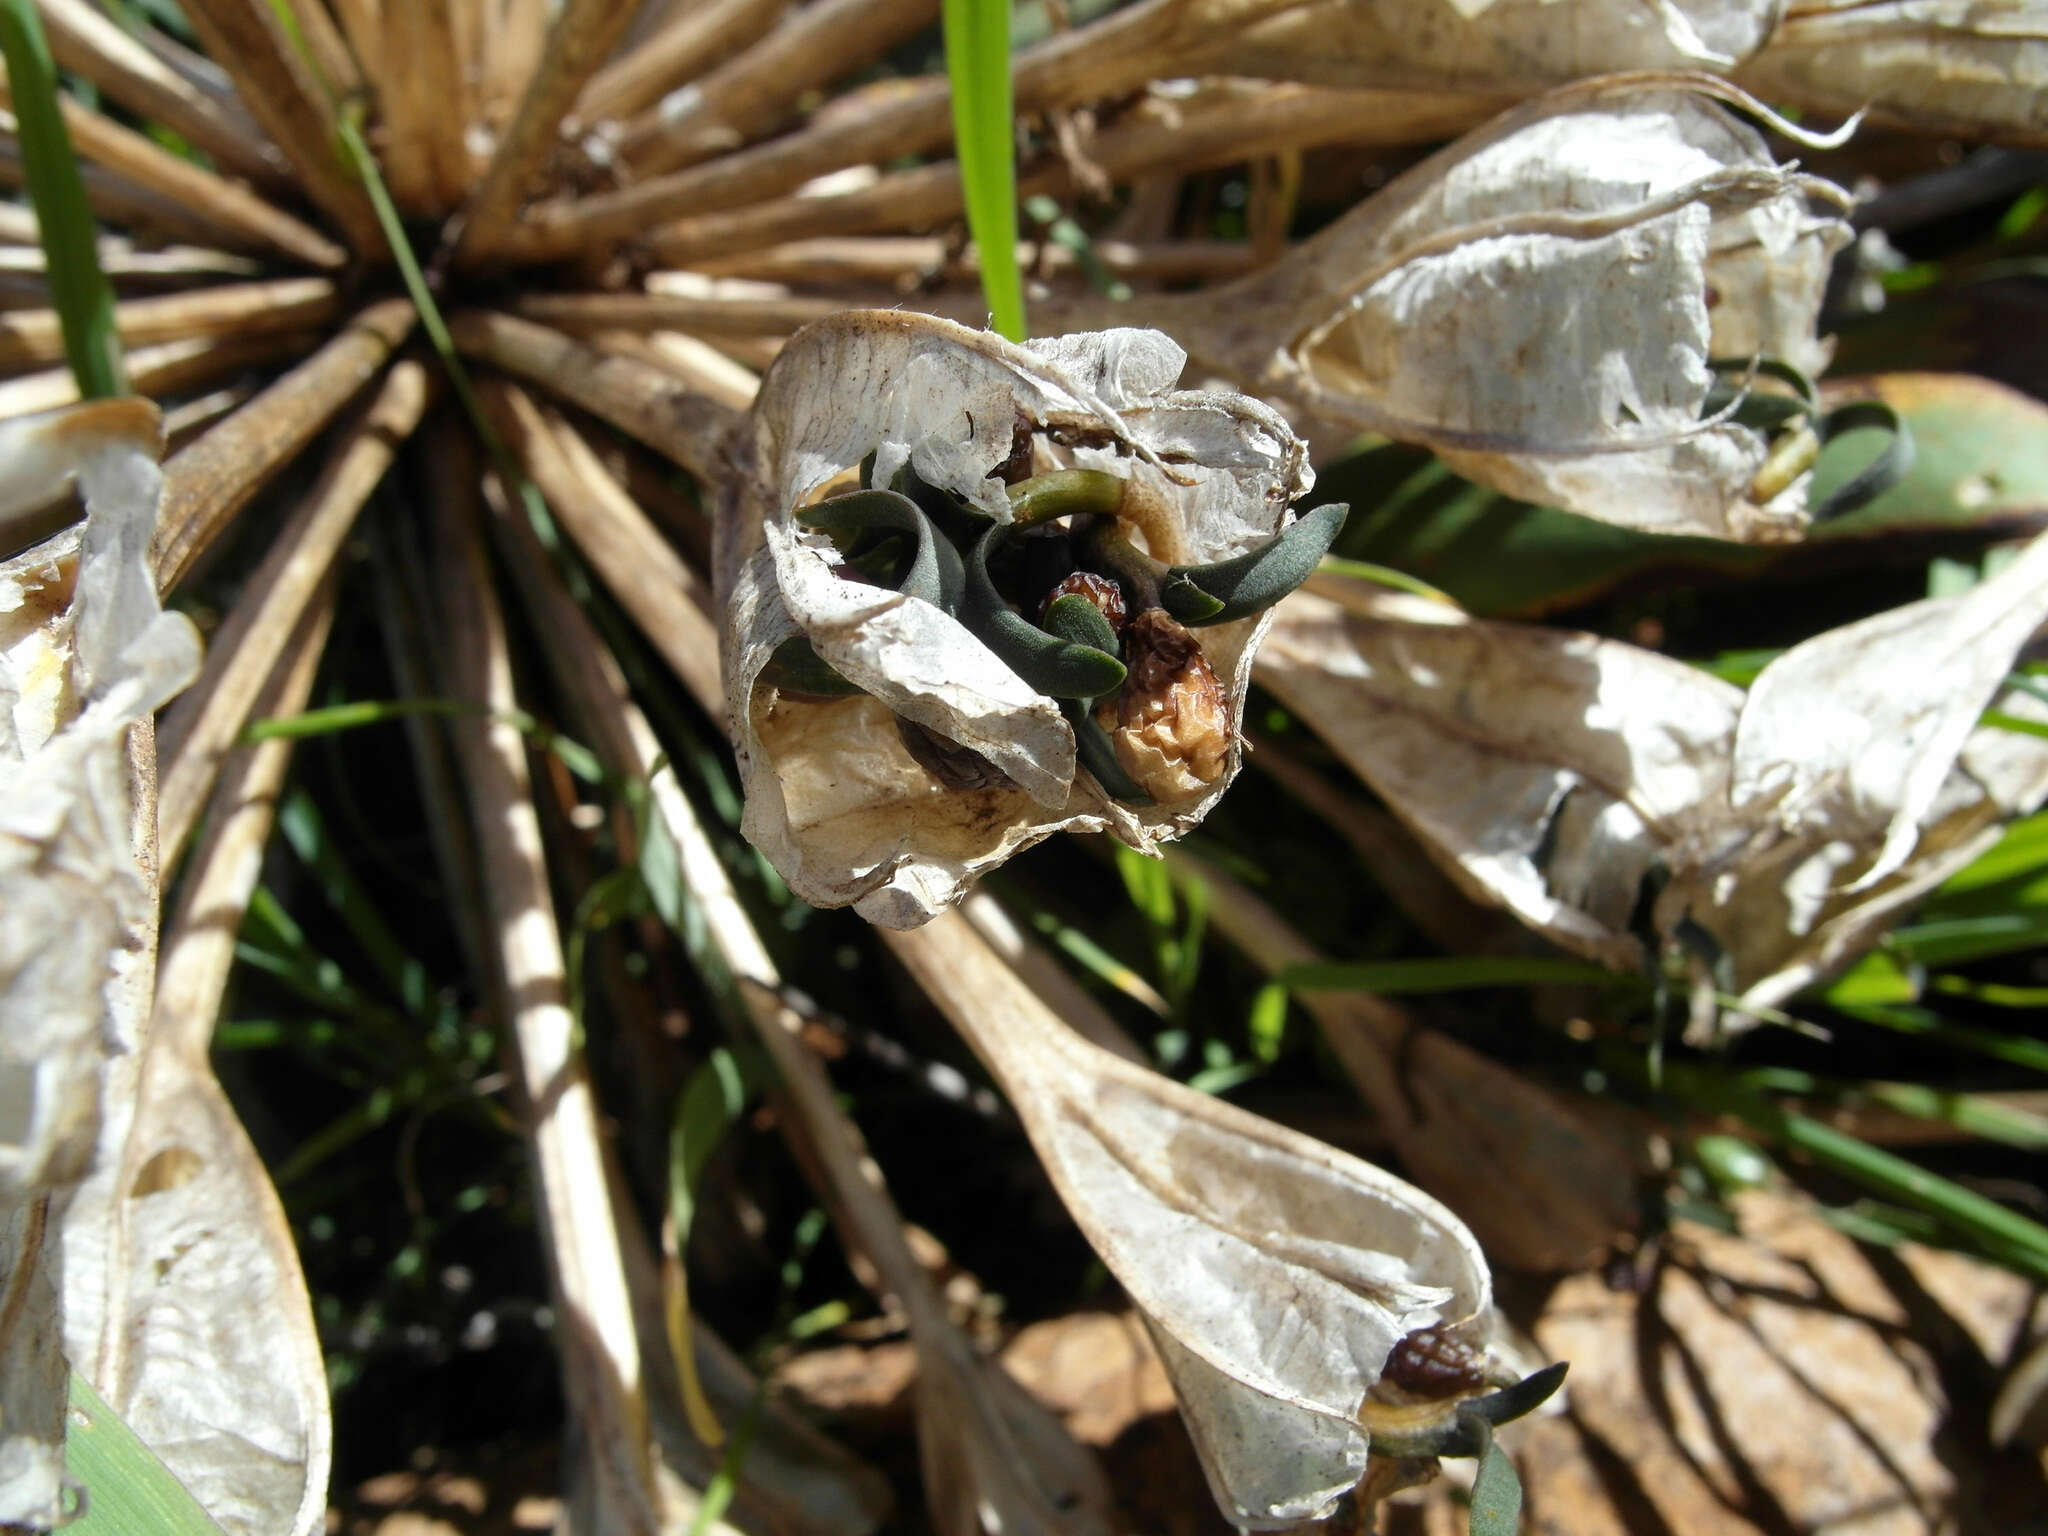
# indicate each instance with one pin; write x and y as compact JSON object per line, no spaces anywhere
{"x":85,"y":653}
{"x":1569,"y":777}
{"x":1957,"y":66}
{"x":1563,"y":304}
{"x":910,"y":704}
{"x":1485,"y":42}
{"x":1311,"y":1309}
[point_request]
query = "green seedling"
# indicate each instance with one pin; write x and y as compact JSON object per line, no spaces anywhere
{"x":1065,"y":493}
{"x":1466,"y":1429}
{"x":1249,"y":583}
{"x":1060,"y":668}
{"x":934,"y":572}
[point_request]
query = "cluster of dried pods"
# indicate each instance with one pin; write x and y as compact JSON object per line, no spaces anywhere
{"x":1041,"y":610}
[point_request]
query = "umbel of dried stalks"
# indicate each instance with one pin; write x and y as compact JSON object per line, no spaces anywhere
{"x":897,"y":741}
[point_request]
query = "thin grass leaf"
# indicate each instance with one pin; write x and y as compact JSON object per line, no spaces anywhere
{"x":79,"y":290}
{"x":710,"y":1102}
{"x":305,"y":830}
{"x":125,"y":1487}
{"x":2003,"y":1231}
{"x":978,"y":65}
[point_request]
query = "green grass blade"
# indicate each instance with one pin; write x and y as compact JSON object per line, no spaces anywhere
{"x":127,"y":1487}
{"x":79,"y":290}
{"x":305,"y":829}
{"x":713,"y":1098}
{"x":2004,"y":1233}
{"x":978,"y":65}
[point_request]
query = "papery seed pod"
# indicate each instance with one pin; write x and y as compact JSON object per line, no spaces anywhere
{"x":951,"y":417}
{"x":1956,"y":66}
{"x":1173,"y":725}
{"x":1540,"y":303}
{"x":1511,"y":43}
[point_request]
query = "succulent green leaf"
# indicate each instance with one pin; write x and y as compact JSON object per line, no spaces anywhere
{"x":1075,"y":619}
{"x":1239,"y":587}
{"x":1891,"y":466}
{"x":1060,"y":668}
{"x":934,"y":572}
{"x":1496,"y":1496}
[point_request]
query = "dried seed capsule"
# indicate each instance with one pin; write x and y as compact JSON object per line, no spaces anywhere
{"x":1173,"y":726}
{"x":1105,"y":594}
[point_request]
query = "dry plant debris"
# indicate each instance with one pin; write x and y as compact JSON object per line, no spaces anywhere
{"x":950,"y":594}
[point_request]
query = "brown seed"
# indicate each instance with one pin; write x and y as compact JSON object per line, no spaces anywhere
{"x":1173,"y":728}
{"x":1434,"y":1363}
{"x":953,"y":765}
{"x":1104,"y":593}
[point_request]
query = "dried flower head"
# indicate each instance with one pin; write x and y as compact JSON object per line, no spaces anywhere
{"x":1049,"y":545}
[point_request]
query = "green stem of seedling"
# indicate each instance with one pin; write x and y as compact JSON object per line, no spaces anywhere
{"x":79,"y":290}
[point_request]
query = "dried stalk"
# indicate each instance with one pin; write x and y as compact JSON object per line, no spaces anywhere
{"x":1045,"y":976}
{"x":1233,"y":126}
{"x":201,"y":726}
{"x":582,"y":37}
{"x":32,"y":337}
{"x":1119,"y":54}
{"x":1462,"y":1124}
{"x":642,"y":570}
{"x":903,"y":263}
{"x":695,"y":39}
{"x":119,"y":200}
{"x":259,"y":225}
{"x":333,"y":59}
{"x":601,"y":1349}
{"x":639,"y":400}
{"x":363,"y":22}
{"x":169,"y":369}
{"x":199,"y":942}
{"x":821,"y":42}
{"x":990,"y":1453}
{"x":246,"y":38}
{"x":137,"y":1324}
{"x":177,"y":266}
{"x":208,"y":483}
{"x":696,"y":364}
{"x":89,"y":44}
{"x":511,"y":36}
{"x":425,"y":101}
{"x":404,"y":600}
{"x":584,"y":312}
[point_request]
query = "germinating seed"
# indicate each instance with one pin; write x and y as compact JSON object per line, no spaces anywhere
{"x":1108,"y":635}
